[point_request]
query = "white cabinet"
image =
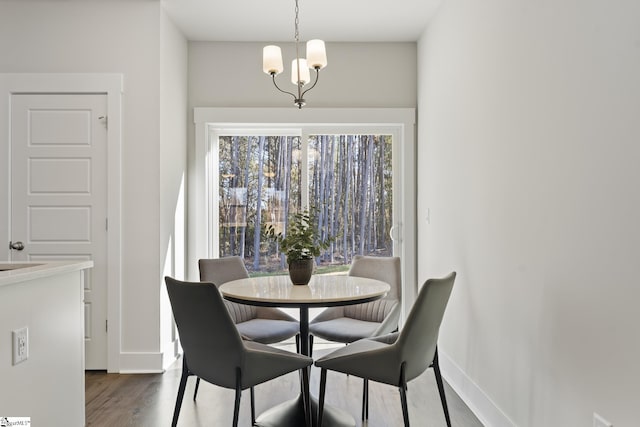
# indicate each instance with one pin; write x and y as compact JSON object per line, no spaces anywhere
{"x":47,"y":299}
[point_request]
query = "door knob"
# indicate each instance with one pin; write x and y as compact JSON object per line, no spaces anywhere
{"x":18,"y":246}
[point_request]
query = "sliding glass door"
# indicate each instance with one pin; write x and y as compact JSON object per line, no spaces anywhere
{"x":255,"y":166}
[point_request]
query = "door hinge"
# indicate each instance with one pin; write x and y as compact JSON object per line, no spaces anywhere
{"x":106,"y":224}
{"x":106,"y":325}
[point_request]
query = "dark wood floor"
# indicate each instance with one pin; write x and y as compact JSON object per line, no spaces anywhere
{"x":143,"y":400}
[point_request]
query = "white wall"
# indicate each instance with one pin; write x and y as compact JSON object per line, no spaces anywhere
{"x":528,"y":143}
{"x":223,"y":74}
{"x":173,"y":163}
{"x":110,"y":37}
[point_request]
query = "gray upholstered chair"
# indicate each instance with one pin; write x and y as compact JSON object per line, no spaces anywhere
{"x":265,"y":325}
{"x":350,"y":323}
{"x":215,"y":351}
{"x":399,"y":357}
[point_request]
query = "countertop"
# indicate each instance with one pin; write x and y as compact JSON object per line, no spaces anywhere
{"x":16,"y":272}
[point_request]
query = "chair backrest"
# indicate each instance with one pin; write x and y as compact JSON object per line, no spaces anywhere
{"x":419,"y":336}
{"x":223,"y":270}
{"x":386,"y":269}
{"x":211,"y":342}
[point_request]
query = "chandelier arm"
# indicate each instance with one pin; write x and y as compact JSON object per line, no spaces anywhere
{"x":273,"y":76}
{"x":314,"y":83}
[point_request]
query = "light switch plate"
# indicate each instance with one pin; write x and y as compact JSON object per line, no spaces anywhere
{"x":20,"y":345}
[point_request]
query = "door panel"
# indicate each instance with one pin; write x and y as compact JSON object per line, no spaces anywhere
{"x":60,"y":175}
{"x":59,"y":192}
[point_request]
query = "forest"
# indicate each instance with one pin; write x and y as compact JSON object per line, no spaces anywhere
{"x":348,"y":190}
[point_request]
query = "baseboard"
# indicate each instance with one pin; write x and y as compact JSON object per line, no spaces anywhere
{"x":170,"y":353}
{"x":478,"y":402}
{"x":141,"y":363}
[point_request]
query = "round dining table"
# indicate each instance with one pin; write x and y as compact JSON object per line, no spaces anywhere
{"x":322,"y":291}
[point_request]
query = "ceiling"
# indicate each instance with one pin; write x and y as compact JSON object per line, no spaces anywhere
{"x":329,"y":20}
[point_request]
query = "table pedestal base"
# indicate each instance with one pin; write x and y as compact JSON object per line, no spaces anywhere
{"x":291,"y":414}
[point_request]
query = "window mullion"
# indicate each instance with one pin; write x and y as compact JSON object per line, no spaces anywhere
{"x":304,"y":165}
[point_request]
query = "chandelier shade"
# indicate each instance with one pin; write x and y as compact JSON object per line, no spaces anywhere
{"x":272,"y":59}
{"x":316,"y":54}
{"x":300,"y":72}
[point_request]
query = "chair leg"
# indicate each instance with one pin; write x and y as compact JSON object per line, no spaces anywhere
{"x":195,"y":392}
{"x":181,"y":388}
{"x":253,"y":407}
{"x":443,"y":398}
{"x":310,"y":345}
{"x":346,"y":344}
{"x":323,"y":385}
{"x":403,"y":397}
{"x":306,"y":399}
{"x":365,"y":399}
{"x":236,"y":407}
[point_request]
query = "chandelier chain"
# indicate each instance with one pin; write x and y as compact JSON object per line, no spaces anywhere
{"x":297,"y":23}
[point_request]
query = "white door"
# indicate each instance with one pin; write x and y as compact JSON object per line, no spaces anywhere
{"x":59,"y":194}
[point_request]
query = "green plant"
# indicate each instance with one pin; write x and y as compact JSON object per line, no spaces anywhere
{"x":300,"y":240}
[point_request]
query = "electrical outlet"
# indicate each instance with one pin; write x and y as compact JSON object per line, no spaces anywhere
{"x":598,"y":421}
{"x":20,"y":345}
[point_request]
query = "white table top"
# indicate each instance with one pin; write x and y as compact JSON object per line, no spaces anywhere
{"x":322,"y":290}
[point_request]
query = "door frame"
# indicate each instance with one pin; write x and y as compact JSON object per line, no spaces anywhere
{"x":205,"y":119}
{"x":70,"y":83}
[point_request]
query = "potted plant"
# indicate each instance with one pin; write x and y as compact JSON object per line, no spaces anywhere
{"x":300,"y":245}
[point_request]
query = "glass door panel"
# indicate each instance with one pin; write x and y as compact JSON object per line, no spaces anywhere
{"x":259,"y":185}
{"x":351,"y":185}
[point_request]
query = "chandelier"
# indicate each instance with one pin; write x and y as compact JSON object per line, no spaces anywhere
{"x":300,"y":76}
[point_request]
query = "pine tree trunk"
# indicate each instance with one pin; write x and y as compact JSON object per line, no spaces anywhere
{"x":258,"y":220}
